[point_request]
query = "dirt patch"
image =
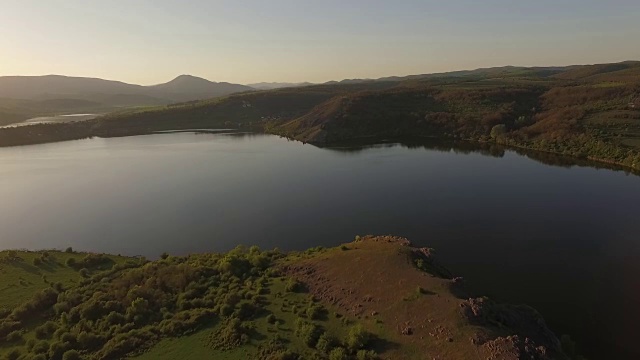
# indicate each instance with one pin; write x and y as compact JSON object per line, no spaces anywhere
{"x":378,"y":280}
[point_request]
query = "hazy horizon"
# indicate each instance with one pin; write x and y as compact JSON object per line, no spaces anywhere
{"x":152,"y":42}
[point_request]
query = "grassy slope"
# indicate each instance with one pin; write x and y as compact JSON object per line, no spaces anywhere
{"x":20,"y":279}
{"x":373,"y":283}
{"x":281,"y":302}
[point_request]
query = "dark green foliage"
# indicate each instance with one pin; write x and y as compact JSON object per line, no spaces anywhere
{"x":357,"y":338}
{"x":233,"y":334}
{"x":71,"y":262}
{"x":308,"y":332}
{"x":69,"y":250}
{"x":293,"y":285}
{"x":326,"y":343}
{"x":275,"y":349}
{"x":338,"y":353}
{"x":14,"y":354}
{"x":43,"y":300}
{"x":315,"y":311}
{"x":164,"y":256}
{"x":14,"y":336}
{"x":71,"y":355}
{"x":366,"y":355}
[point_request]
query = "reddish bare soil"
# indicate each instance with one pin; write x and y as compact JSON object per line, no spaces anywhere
{"x":418,"y":314}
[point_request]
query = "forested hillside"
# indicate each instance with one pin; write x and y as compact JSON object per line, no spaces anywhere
{"x":590,"y":112}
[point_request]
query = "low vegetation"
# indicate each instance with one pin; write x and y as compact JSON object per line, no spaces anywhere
{"x":252,"y":304}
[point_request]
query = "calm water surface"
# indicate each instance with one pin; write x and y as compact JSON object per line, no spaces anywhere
{"x":564,"y":240}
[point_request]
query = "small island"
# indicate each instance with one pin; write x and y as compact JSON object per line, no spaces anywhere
{"x":377,"y":297}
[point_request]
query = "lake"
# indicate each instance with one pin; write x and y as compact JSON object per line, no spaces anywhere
{"x":54,"y":119}
{"x":563,"y":239}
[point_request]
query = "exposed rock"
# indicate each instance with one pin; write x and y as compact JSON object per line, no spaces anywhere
{"x":407,"y":330}
{"x":523,"y":320}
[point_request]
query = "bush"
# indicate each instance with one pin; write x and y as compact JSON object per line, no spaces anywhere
{"x":164,"y":256}
{"x":293,"y":285}
{"x":271,"y":319}
{"x":357,"y":338}
{"x":326,"y":343}
{"x":232,"y":335}
{"x":41,"y":347}
{"x":308,"y":332}
{"x":14,"y":354}
{"x":71,"y":355}
{"x":498,"y":131}
{"x":14,"y":336}
{"x":338,"y":353}
{"x":366,"y":355}
{"x":84,"y":272}
{"x":71,"y":262}
{"x":69,"y":250}
{"x":37,"y":261}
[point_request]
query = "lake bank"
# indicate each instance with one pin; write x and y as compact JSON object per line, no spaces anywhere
{"x":414,"y":308}
{"x":511,"y":223}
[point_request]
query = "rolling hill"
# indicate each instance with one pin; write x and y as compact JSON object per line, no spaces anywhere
{"x":23,"y":97}
{"x":588,"y":111}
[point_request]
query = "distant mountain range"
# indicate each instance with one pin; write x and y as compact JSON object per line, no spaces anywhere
{"x":22,"y":97}
{"x":182,"y":88}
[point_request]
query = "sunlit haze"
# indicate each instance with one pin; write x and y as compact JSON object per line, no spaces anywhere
{"x":149,"y":42}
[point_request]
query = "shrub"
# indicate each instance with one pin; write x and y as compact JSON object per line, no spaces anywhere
{"x":314,"y":311}
{"x":84,"y":272}
{"x":233,"y":334}
{"x":40,"y":347}
{"x":326,"y":343}
{"x":357,"y":338}
{"x":338,"y":353}
{"x":71,"y":262}
{"x":14,"y":336}
{"x":4,"y":312}
{"x":37,"y":261}
{"x":498,"y":131}
{"x":71,"y":355}
{"x":308,"y":332}
{"x":14,"y":354}
{"x":271,"y":319}
{"x":69,"y":250}
{"x":164,"y":256}
{"x":293,"y":285}
{"x":366,"y":355}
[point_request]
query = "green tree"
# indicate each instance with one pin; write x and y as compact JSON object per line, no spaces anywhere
{"x":357,"y":338}
{"x":338,"y":353}
{"x":498,"y":131}
{"x":71,"y":355}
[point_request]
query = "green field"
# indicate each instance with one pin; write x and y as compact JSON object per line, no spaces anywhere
{"x":20,"y":278}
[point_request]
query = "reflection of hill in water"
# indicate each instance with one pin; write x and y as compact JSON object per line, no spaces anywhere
{"x":463,"y":147}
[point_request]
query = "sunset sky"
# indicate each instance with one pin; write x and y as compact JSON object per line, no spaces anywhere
{"x":152,"y":41}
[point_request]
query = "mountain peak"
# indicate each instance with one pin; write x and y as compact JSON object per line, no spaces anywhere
{"x":188,"y":79}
